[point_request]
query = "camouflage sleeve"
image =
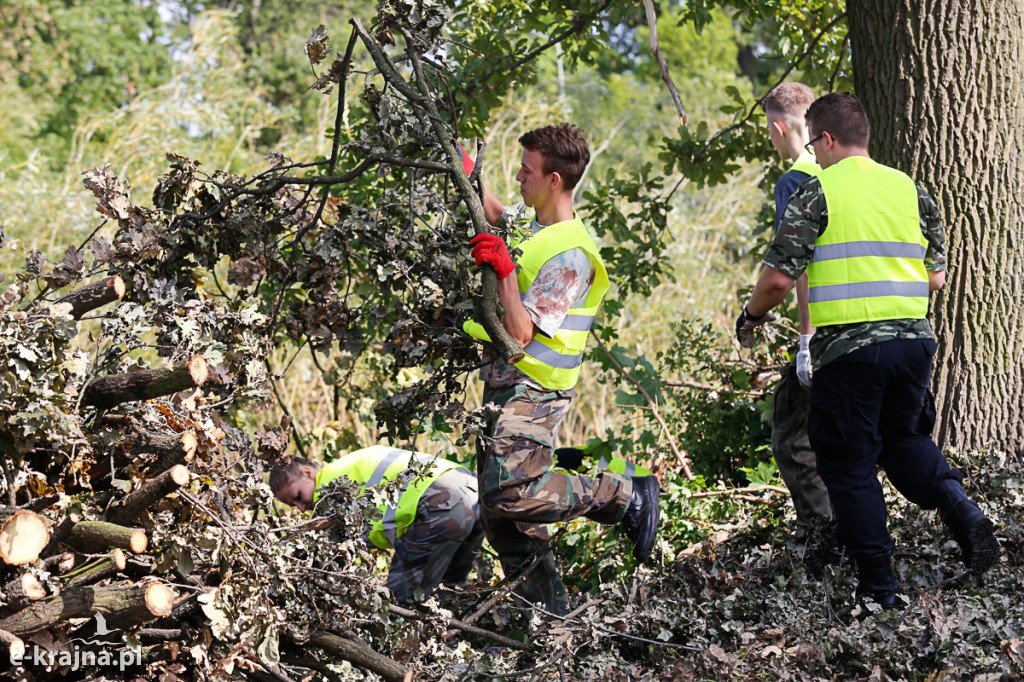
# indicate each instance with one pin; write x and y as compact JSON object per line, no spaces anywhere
{"x":805,"y":216}
{"x":931,"y":228}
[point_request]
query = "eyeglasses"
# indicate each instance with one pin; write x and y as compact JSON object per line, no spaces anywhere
{"x":810,"y":145}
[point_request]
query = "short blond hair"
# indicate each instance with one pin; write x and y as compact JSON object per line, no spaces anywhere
{"x":790,"y":100}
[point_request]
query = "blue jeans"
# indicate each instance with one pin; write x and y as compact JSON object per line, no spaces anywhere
{"x":869,"y":408}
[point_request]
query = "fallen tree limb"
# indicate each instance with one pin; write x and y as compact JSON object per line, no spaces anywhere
{"x":147,"y":493}
{"x":101,"y":536}
{"x":94,"y":295}
{"x":114,"y":389}
{"x":124,"y":605}
{"x":357,"y":654}
{"x":23,"y":535}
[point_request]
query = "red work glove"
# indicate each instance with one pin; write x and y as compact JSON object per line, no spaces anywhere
{"x":467,"y":161}
{"x":491,"y":249}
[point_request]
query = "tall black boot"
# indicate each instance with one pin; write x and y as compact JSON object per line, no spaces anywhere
{"x":877,"y":580}
{"x":971,"y":529}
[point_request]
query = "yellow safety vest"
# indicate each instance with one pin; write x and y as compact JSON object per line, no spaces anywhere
{"x":806,"y":163}
{"x":554,"y":362}
{"x":373,"y":465}
{"x":869,"y":263}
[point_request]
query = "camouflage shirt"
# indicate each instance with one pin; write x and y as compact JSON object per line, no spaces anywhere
{"x":805,"y":218}
{"x":560,"y":283}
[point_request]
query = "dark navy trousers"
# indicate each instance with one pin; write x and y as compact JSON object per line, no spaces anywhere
{"x":874,"y":407}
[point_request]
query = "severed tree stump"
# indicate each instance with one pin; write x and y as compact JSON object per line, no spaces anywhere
{"x":23,"y":535}
{"x":94,"y":295}
{"x":123,"y":605}
{"x":114,"y":389}
{"x":148,"y":492}
{"x":101,"y":536}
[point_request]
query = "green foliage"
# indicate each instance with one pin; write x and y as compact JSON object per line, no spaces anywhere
{"x":65,"y":60}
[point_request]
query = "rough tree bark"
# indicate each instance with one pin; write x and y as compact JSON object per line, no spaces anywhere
{"x":943,"y":85}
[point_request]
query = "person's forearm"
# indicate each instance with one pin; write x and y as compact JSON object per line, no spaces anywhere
{"x":517,"y":320}
{"x":936,"y":280}
{"x":493,"y":207}
{"x":802,"y":306}
{"x":772,"y":287}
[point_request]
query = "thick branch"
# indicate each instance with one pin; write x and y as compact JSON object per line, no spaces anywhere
{"x":100,"y":535}
{"x":357,"y":654}
{"x":94,"y":571}
{"x":115,"y":389}
{"x":94,"y":295}
{"x":147,"y":493}
{"x":488,"y":317}
{"x":124,"y":606}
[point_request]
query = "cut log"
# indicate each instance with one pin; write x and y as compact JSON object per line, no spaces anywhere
{"x":57,"y":563}
{"x":123,"y":605}
{"x":94,"y":571}
{"x":60,"y":533}
{"x":183,"y":450}
{"x":101,"y":536}
{"x":15,"y":647}
{"x":23,"y":590}
{"x":23,"y":535}
{"x":147,"y":493}
{"x":94,"y":295}
{"x":161,"y":451}
{"x":106,"y":392}
{"x":357,"y":654}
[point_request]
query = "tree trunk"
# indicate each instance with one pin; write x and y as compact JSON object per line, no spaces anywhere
{"x":943,"y":86}
{"x":124,"y":606}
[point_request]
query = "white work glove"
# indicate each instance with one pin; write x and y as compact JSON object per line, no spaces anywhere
{"x":803,"y":361}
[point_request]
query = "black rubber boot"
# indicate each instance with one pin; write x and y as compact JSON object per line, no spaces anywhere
{"x":877,"y":581}
{"x":641,"y":520}
{"x":971,"y":529}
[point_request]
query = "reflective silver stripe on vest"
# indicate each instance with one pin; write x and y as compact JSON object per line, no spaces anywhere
{"x":602,"y":463}
{"x":552,"y":358}
{"x":390,"y":524}
{"x":378,"y":473}
{"x":577,"y":323}
{"x":843,"y":292}
{"x":861,"y":249}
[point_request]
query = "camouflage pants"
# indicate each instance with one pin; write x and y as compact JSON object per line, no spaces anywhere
{"x":791,"y":447}
{"x":519,"y":492}
{"x":442,"y":542}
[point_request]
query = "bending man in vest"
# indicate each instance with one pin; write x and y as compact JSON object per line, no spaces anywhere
{"x":872,"y":245}
{"x":784,"y":107}
{"x":550,"y":298}
{"x":434,"y":528}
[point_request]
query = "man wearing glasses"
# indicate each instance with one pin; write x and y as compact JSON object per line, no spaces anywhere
{"x":872,"y":245}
